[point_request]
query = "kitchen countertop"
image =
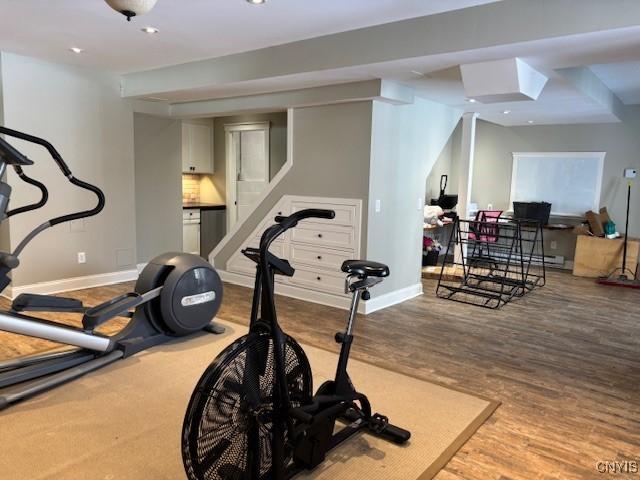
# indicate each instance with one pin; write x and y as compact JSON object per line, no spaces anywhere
{"x":205,"y":206}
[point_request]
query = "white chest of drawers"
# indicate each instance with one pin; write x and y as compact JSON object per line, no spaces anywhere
{"x":316,"y":248}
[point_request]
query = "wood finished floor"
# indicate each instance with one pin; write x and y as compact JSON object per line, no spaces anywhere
{"x":564,"y":362}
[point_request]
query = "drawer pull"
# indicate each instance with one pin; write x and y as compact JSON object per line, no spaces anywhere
{"x":319,"y":257}
{"x":319,"y":278}
{"x":279,"y":213}
{"x":319,"y":235}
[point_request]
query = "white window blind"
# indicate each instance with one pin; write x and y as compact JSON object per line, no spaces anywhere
{"x":570,"y":181}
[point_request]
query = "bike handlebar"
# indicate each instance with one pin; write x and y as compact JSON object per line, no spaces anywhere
{"x":285,"y":223}
{"x":293,"y":219}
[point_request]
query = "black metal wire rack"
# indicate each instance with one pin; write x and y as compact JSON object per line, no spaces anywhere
{"x":491,"y":261}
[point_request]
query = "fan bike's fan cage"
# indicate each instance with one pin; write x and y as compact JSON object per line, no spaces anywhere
{"x":227,"y":432}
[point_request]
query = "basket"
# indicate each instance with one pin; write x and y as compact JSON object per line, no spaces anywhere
{"x":538,"y":211}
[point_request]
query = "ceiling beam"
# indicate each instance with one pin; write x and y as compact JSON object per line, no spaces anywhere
{"x":380,"y":90}
{"x":587,"y":83}
{"x":494,"y":24}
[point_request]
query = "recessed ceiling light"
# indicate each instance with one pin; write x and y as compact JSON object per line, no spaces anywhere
{"x":506,"y":112}
{"x":529,"y":121}
{"x":150,"y":30}
{"x":471,"y":100}
{"x":416,"y":72}
{"x":256,"y":2}
{"x":76,"y":50}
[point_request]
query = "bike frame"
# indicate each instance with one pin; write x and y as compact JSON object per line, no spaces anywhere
{"x":264,"y":304}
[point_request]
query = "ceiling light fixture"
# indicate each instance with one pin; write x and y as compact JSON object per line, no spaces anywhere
{"x":471,"y":100}
{"x":506,"y":112}
{"x":131,"y":8}
{"x":416,"y":72}
{"x":529,"y":121}
{"x":76,"y":50}
{"x":256,"y":2}
{"x":150,"y":30}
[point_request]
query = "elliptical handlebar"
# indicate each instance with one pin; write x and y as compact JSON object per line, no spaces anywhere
{"x":42,"y":142}
{"x":44,"y":193}
{"x":85,"y":213}
{"x":64,"y":168}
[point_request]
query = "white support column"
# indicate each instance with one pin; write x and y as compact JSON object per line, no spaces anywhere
{"x":467,"y":150}
{"x":466,"y":163}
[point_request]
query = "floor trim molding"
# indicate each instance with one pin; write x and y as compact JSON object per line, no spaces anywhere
{"x":392,"y":298}
{"x":74,"y":283}
{"x":373,"y":305}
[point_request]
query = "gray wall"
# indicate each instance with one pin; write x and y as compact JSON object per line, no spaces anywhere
{"x":277,"y":143}
{"x":406,"y":143}
{"x":331,"y":151}
{"x":493,"y":164}
{"x":81,"y":112}
{"x":158,"y":190}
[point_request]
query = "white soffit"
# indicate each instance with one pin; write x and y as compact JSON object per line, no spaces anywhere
{"x":507,"y":80}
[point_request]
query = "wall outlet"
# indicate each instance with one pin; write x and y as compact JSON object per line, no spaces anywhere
{"x":554,"y":245}
{"x":378,"y":205}
{"x":82,"y":257}
{"x":630,"y":173}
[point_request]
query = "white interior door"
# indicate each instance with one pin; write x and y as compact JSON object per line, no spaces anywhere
{"x":248,"y":172}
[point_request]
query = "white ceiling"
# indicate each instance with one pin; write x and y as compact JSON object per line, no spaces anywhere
{"x":198,"y":29}
{"x":189,"y":29}
{"x":559,"y":103}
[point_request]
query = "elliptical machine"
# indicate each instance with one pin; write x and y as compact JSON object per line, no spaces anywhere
{"x":252,"y":415}
{"x":176,"y":294}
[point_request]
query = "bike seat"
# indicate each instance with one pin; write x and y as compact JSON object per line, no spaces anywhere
{"x":365,"y":268}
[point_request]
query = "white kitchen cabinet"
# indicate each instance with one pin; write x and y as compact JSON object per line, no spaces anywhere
{"x":197,"y":147}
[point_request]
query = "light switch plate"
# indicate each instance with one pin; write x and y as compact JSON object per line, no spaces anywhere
{"x":378,"y":206}
{"x":630,"y":173}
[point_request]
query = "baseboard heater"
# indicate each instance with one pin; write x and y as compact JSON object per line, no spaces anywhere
{"x":555,"y":261}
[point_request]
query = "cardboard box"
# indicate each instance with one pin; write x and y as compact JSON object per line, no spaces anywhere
{"x":598,"y":257}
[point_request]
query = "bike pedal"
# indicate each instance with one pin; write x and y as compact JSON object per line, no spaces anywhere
{"x":378,"y":423}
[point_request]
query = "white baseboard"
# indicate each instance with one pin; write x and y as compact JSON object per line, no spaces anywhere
{"x":378,"y":303}
{"x":75,"y":283}
{"x":393,"y":298}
